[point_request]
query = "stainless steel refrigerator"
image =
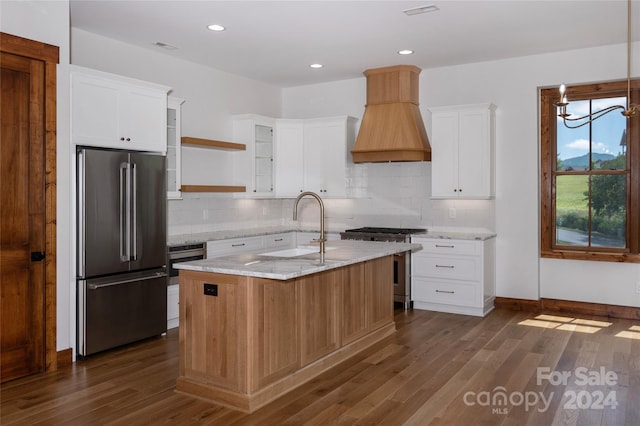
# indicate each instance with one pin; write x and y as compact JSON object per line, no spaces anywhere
{"x":121,"y":277}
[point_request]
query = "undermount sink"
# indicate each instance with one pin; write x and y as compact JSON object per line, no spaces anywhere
{"x":297,"y":251}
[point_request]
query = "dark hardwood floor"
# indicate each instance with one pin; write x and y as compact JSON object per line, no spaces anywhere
{"x":510,"y":368}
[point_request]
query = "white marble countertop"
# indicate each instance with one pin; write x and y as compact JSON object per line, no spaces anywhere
{"x":339,"y":253}
{"x":457,"y":235}
{"x":235,"y":233}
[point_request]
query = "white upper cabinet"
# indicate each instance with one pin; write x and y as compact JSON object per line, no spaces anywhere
{"x":308,"y":155}
{"x":312,"y":155}
{"x":289,"y":157}
{"x":117,"y":112}
{"x":326,"y":142}
{"x":462,"y":151}
{"x":255,"y":166}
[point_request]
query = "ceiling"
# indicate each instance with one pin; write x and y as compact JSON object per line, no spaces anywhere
{"x":276,"y":41}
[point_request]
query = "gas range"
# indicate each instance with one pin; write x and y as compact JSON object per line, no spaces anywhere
{"x":381,"y":234}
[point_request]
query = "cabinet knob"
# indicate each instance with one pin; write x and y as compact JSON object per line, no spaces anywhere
{"x":121,"y":139}
{"x":128,"y":139}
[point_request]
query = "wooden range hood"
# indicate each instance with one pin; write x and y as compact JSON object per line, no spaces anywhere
{"x":392,"y":128}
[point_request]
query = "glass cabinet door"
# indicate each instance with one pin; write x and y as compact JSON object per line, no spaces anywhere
{"x":263,"y":157}
{"x":174,"y":106}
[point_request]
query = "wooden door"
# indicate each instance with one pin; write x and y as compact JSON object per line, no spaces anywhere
{"x":22,"y":217}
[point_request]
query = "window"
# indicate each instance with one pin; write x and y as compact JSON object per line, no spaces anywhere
{"x":590,"y":176}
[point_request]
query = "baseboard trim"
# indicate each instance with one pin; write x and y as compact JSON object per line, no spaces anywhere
{"x":65,"y":357}
{"x":569,"y":307}
{"x":524,"y":305}
{"x":586,"y":308}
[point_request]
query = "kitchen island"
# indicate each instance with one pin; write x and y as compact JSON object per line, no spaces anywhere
{"x":255,"y":326}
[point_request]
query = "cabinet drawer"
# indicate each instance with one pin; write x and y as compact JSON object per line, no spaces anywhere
{"x":285,"y":239}
{"x":233,"y":246}
{"x":454,"y":267}
{"x":447,"y":292}
{"x":446,"y":247}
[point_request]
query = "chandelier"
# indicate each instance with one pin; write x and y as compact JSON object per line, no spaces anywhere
{"x":628,"y":111}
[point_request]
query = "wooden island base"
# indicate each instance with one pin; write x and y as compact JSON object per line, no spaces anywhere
{"x":246,"y":341}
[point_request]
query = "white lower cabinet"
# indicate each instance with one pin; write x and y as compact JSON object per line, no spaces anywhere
{"x":231,"y":246}
{"x":173,"y":292}
{"x":456,"y":276}
{"x":283,"y":240}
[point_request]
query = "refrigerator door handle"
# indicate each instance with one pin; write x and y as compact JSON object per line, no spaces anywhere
{"x":134,"y":210}
{"x":81,"y":213}
{"x":125,"y":224}
{"x":109,"y":284}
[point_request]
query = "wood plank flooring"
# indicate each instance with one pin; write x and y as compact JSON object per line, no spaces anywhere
{"x":438,"y":369}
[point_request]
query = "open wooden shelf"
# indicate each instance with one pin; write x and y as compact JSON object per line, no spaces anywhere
{"x":208,"y":143}
{"x":212,"y":188}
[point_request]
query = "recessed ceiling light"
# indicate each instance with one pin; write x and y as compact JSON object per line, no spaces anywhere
{"x":421,"y":9}
{"x":165,"y":45}
{"x":216,"y":27}
{"x":316,"y":65}
{"x":405,"y":52}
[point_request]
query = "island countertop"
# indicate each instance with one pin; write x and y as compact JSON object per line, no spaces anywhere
{"x":339,"y":253}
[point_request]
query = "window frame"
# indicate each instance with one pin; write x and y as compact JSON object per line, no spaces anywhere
{"x":548,"y":145}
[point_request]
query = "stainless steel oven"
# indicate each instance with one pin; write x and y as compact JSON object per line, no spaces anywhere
{"x":183,"y":253}
{"x":401,"y":261}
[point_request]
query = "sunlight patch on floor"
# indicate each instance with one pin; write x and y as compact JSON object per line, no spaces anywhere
{"x":566,"y":323}
{"x":627,"y":334}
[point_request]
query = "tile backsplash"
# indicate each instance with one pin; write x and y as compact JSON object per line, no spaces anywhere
{"x":380,"y":194}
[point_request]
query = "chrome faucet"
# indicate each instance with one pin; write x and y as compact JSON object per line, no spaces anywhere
{"x":322,"y":238}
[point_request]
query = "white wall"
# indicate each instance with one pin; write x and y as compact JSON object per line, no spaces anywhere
{"x":48,"y":22}
{"x":513,"y":86}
